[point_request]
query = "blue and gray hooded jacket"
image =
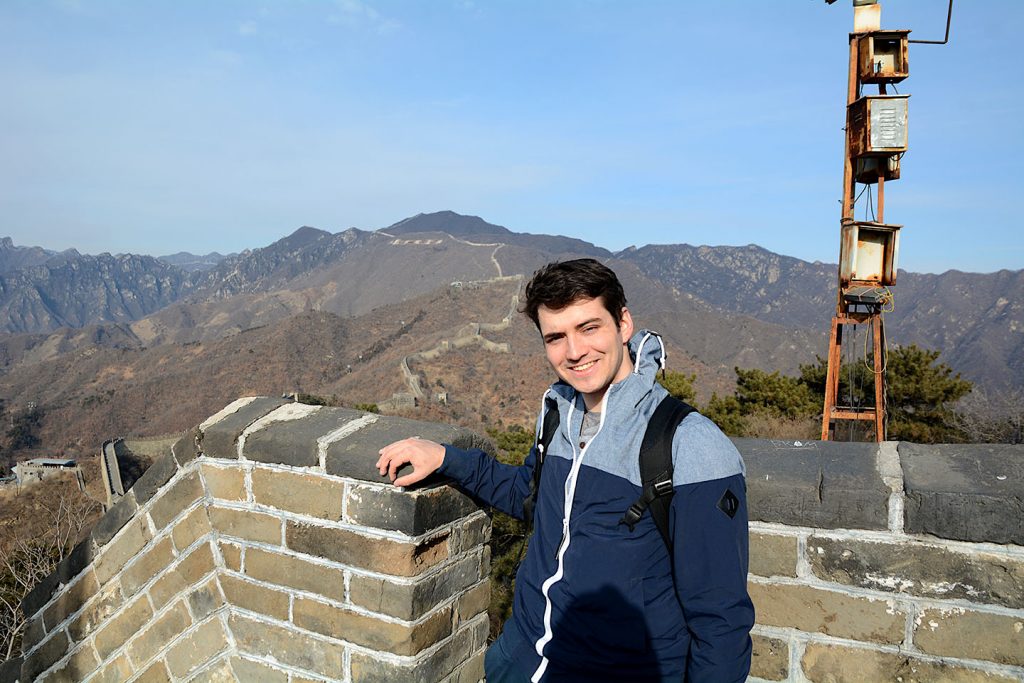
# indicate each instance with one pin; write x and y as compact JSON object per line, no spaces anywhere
{"x":596,"y":601}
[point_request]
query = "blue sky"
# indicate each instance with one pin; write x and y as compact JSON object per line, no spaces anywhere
{"x":153,"y":127}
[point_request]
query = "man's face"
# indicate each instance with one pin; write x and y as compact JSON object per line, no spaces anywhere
{"x":586,"y":347}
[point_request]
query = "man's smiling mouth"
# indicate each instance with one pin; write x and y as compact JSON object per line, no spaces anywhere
{"x":583,"y":367}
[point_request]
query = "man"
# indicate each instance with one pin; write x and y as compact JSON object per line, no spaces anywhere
{"x":596,"y":600}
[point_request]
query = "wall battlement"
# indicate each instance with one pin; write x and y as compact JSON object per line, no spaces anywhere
{"x":266,"y":547}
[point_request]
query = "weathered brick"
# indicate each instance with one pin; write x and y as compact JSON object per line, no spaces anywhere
{"x":220,"y":439}
{"x":772,"y":555}
{"x":189,"y":530}
{"x":114,"y":518}
{"x":966,"y":492}
{"x":103,"y":607}
{"x":33,"y":634}
{"x":117,"y":553}
{"x":248,"y":670}
{"x":832,"y":663}
{"x":177,"y":498}
{"x":304,"y":494}
{"x":48,"y":654}
{"x":293,"y":572}
{"x":232,"y":555}
{"x":287,"y":646}
{"x":10,"y":669}
{"x":824,"y":484}
{"x":220,"y":672}
{"x":158,"y":634}
{"x":187,"y":448}
{"x":294,"y":441}
{"x":77,"y":561}
{"x":472,"y":671}
{"x":158,"y":474}
{"x":976,"y":635}
{"x":225,"y":483}
{"x":150,"y":563}
{"x":355,"y":455}
{"x":205,"y":599}
{"x":474,"y":531}
{"x":812,"y":609}
{"x":125,"y":624}
{"x":246,"y":524}
{"x":376,"y":554}
{"x":255,"y":598}
{"x":80,"y":664}
{"x":474,"y":601}
{"x":116,"y":671}
{"x":70,"y":600}
{"x":389,"y":636}
{"x":40,"y":595}
{"x":432,"y":668}
{"x":197,"y":648}
{"x":411,"y":512}
{"x":919,"y":569}
{"x":187,"y":573}
{"x":156,"y":673}
{"x":770,"y":659}
{"x":412,"y":600}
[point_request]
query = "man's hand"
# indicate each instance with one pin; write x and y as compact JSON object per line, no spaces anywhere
{"x":424,"y":456}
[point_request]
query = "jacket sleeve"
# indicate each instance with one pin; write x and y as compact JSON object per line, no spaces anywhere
{"x":496,"y":484}
{"x":709,"y":520}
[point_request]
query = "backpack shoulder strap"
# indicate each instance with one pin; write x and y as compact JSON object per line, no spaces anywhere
{"x":656,"y":466}
{"x":547,"y":432}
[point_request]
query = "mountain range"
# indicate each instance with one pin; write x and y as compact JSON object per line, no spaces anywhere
{"x":129,"y":320}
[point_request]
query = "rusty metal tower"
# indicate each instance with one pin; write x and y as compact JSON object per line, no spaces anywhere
{"x":876,"y":139}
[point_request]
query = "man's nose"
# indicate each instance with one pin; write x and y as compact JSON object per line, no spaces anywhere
{"x":575,"y":348}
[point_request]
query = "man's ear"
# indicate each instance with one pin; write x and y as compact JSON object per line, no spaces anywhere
{"x":626,"y":324}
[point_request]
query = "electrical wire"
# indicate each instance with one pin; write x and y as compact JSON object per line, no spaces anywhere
{"x":885,"y":385}
{"x":849,"y":381}
{"x":857,"y":198}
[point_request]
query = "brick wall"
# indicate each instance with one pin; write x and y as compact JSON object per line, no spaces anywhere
{"x":895,"y":562}
{"x":265,"y":547}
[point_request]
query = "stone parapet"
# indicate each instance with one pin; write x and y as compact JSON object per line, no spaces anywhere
{"x":895,"y":562}
{"x":265,"y":546}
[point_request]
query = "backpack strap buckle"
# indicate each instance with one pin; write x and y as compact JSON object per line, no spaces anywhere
{"x":633,"y":515}
{"x":663,"y":488}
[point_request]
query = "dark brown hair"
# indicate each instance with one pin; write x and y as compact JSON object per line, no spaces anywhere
{"x":563,"y":283}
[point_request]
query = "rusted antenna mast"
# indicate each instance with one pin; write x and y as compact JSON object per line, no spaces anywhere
{"x":876,"y":139}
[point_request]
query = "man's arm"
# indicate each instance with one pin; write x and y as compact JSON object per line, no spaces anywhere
{"x":501,"y":486}
{"x":711,"y":577}
{"x":709,"y":527}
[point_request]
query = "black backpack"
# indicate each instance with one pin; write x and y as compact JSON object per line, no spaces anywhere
{"x":655,"y":464}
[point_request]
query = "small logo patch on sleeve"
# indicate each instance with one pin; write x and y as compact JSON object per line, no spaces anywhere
{"x":729,"y":503}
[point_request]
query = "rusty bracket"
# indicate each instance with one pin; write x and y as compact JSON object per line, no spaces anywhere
{"x":949,"y":18}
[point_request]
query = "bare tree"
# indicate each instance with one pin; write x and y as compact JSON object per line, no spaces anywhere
{"x":31,"y":552}
{"x":991,"y":416}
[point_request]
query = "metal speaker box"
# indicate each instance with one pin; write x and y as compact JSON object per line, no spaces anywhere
{"x":878,"y":125}
{"x":868,"y":253}
{"x":883,"y":56}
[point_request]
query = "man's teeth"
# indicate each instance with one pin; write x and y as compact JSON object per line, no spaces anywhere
{"x":585,"y":366}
